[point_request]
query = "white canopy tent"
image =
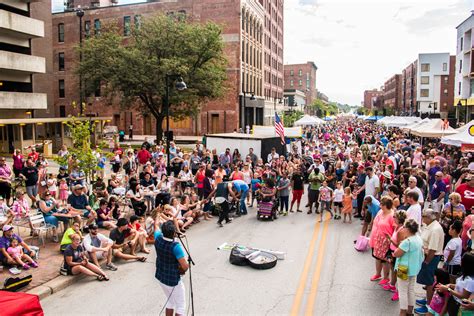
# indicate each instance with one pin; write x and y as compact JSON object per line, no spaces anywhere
{"x":385,"y":119}
{"x":398,"y":122}
{"x":433,"y":128}
{"x":306,"y":120}
{"x":417,"y":124}
{"x":320,"y":121}
{"x":464,"y":136}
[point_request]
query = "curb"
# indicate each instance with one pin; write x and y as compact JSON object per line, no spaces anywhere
{"x":55,"y":285}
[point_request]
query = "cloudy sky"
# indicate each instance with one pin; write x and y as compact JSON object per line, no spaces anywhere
{"x":358,"y":44}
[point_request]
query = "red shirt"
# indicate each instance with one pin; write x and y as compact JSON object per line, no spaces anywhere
{"x":143,"y":156}
{"x":200,"y":175}
{"x":467,"y":196}
{"x":34,"y":156}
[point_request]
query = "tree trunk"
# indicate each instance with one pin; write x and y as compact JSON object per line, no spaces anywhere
{"x":159,"y":128}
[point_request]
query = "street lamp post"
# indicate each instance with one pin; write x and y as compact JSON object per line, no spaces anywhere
{"x":435,"y":107}
{"x":180,"y":86}
{"x":80,"y":14}
{"x":252,"y":97}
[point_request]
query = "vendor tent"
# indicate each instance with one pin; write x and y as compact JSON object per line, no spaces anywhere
{"x":374,"y":118}
{"x":306,"y":120}
{"x":464,"y":136}
{"x":320,"y":121}
{"x":398,"y":122}
{"x":434,"y":128}
{"x":385,"y":119}
{"x":417,"y":124}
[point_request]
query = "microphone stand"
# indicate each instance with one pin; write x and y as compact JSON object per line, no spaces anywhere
{"x":190,"y":263}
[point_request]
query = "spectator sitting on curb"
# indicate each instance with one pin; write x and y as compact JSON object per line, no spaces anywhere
{"x":66,"y":240}
{"x":5,"y":242}
{"x":98,"y":246}
{"x":122,"y":243}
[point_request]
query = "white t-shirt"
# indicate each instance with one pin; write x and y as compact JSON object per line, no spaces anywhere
{"x":371,"y":185}
{"x":338,"y":195}
{"x":464,"y":284}
{"x":420,"y":194}
{"x":456,"y":245}
{"x":414,"y":211}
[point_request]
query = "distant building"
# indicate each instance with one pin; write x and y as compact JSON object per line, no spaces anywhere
{"x":302,"y":77}
{"x":464,"y":77}
{"x":435,"y":83}
{"x":409,"y":79}
{"x":372,"y":98}
{"x":392,"y":94}
{"x":323,"y":97}
{"x":296,"y":99}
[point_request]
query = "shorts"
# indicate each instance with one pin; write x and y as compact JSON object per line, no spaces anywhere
{"x":175,"y":297}
{"x":297,"y":194}
{"x":32,"y":190}
{"x":368,"y":217}
{"x":313,"y":195}
{"x":454,"y":270}
{"x":426,"y":274}
{"x":337,"y":204}
{"x":430,"y":310}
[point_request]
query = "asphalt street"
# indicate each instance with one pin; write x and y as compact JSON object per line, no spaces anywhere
{"x":322,"y":274}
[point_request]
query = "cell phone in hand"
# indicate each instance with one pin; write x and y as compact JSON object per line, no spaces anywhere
{"x":465,"y":301}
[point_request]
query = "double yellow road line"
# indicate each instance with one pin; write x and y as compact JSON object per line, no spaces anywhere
{"x":311,"y":298}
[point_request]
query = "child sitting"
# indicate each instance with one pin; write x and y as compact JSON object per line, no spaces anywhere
{"x":439,"y":302}
{"x":16,"y":252}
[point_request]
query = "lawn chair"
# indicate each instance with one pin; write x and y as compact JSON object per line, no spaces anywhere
{"x":40,"y":226}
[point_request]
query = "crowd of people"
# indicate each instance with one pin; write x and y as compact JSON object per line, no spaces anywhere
{"x":414,"y":202}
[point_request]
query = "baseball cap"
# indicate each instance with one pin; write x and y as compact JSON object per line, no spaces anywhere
{"x":7,"y":228}
{"x":78,"y":187}
{"x":93,"y":226}
{"x":122,"y":222}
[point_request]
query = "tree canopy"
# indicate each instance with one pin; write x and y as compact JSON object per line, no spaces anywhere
{"x":322,"y":109}
{"x":134,"y":69}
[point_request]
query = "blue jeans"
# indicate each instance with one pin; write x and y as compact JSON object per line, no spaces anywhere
{"x":243,"y":207}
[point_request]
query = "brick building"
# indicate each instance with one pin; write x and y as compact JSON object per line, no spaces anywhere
{"x":302,"y":77}
{"x":372,"y":98}
{"x":409,"y":76}
{"x":392,"y":93}
{"x":253,"y":37}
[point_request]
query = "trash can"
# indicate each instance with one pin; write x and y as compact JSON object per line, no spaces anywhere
{"x":48,"y":148}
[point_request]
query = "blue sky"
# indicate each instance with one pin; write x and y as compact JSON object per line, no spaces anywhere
{"x":359,"y":44}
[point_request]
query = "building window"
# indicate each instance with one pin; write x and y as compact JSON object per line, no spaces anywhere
{"x":424,"y":93}
{"x":461,"y":44}
{"x":137,"y":20}
{"x":62,"y":92}
{"x":61,"y":61}
{"x":445,"y":66}
{"x":96,"y":26}
{"x":425,"y":67}
{"x":61,"y":32}
{"x":460,"y":66}
{"x":459,"y":88}
{"x":97,"y":90}
{"x":292,"y":83}
{"x":425,"y":80}
{"x":445,"y":91}
{"x":87,"y":28}
{"x":446,"y":78}
{"x":300,"y":82}
{"x":126,"y":25}
{"x":300,"y":72}
{"x":62,"y":111}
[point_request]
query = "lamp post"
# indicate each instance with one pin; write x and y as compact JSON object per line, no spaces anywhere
{"x":180,"y":86}
{"x":252,"y":97}
{"x":435,"y":107}
{"x":459,"y":105}
{"x":80,"y":14}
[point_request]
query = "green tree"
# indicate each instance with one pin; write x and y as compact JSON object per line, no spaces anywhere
{"x":134,"y":70}
{"x":289,"y":118}
{"x":321,"y":109}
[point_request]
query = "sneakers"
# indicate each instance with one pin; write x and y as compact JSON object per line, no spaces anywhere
{"x":421,"y":310}
{"x":26,"y":267}
{"x":34,"y":265}
{"x":376,"y":277}
{"x":384,"y":282}
{"x":111,"y":267}
{"x":395,"y":296}
{"x":220,"y":224}
{"x":389,"y":287}
{"x":421,"y":302}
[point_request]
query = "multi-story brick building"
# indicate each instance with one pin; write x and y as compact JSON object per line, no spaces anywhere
{"x":302,"y":77}
{"x":371,"y":97}
{"x":435,"y":83}
{"x":253,"y":37}
{"x":25,"y":67}
{"x":409,"y":76}
{"x":392,"y":93}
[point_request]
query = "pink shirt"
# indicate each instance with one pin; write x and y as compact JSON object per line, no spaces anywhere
{"x":14,"y":251}
{"x":383,"y":224}
{"x":21,"y":208}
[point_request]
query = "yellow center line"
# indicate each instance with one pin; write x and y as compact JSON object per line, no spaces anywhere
{"x":304,"y":275}
{"x":317,"y":271}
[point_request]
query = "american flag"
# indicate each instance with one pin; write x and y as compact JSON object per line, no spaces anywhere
{"x":279,"y":129}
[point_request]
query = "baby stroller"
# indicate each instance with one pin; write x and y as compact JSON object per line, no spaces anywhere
{"x":267,"y":209}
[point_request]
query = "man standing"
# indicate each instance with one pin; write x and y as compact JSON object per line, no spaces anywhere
{"x":170,"y":265}
{"x":315,"y":179}
{"x":433,"y":238}
{"x":414,"y":210}
{"x":437,"y":193}
{"x":222,"y":191}
{"x":30,"y":174}
{"x":412,"y":181}
{"x":253,"y":157}
{"x":371,"y":184}
{"x":242,"y":189}
{"x":5,"y":180}
{"x":466,"y":190}
{"x":360,"y":193}
{"x":272,"y":156}
{"x":143,"y":156}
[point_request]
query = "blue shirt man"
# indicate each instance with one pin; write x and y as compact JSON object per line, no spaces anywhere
{"x":241,"y":187}
{"x":373,"y":207}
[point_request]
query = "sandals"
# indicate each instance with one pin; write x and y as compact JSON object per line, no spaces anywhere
{"x":147,"y":251}
{"x":101,"y":278}
{"x":141,"y":259}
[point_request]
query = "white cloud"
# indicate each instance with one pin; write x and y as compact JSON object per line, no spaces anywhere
{"x":357,"y":45}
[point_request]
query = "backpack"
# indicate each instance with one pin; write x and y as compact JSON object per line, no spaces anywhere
{"x":14,"y":284}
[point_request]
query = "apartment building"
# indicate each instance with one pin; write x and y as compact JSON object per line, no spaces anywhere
{"x":464,"y":72}
{"x":392,"y":93}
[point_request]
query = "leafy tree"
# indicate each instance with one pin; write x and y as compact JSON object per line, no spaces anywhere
{"x":134,"y":70}
{"x":289,"y":118}
{"x":321,"y":109}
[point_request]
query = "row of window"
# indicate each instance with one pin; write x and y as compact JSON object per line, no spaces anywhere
{"x":425,"y":67}
{"x":62,"y":89}
{"x":127,"y":27}
{"x":300,"y":73}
